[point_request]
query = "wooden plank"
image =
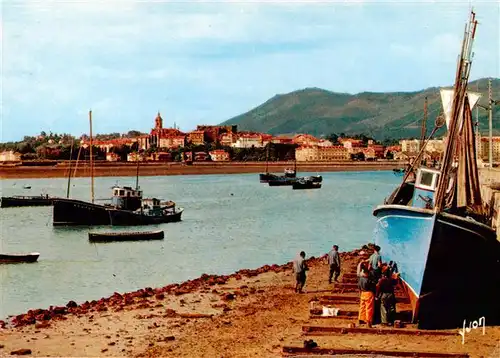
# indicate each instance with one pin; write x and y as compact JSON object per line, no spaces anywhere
{"x":333,"y":351}
{"x":353,"y":299}
{"x":328,"y":330}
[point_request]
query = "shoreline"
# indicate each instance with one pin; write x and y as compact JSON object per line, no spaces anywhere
{"x":247,"y":313}
{"x":61,"y":170}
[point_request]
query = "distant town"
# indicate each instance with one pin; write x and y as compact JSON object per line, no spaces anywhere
{"x":224,"y":144}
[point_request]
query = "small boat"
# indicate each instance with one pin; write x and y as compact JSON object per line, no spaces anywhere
{"x":314,"y":178}
{"x":18,"y":258}
{"x":306,"y":184}
{"x":282,"y":181}
{"x":125,"y":236}
{"x":20,"y":200}
{"x":26,"y":187}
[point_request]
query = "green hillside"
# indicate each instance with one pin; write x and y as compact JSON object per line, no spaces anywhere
{"x":381,"y":115}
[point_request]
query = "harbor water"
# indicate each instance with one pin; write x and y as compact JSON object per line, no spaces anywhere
{"x":230,"y":222}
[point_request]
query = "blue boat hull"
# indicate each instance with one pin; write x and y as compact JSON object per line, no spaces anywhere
{"x":449,"y":265}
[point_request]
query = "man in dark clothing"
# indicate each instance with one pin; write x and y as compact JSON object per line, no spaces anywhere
{"x":334,"y":262}
{"x":300,"y":268}
{"x":385,"y":291}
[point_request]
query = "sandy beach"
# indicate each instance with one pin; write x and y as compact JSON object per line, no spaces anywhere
{"x":251,"y":313}
{"x":151,"y":169}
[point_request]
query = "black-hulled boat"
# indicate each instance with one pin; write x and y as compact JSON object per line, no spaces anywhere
{"x":304,"y":183}
{"x":282,"y":181}
{"x":18,"y":258}
{"x":287,"y":173}
{"x":126,"y":236}
{"x":127,"y":208}
{"x":24,"y":200}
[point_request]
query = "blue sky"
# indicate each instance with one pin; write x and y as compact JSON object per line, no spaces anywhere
{"x":202,"y":62}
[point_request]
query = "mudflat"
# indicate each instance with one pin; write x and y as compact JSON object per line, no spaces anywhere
{"x":152,"y":169}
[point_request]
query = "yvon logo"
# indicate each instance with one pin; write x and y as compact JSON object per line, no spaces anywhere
{"x":473,"y":325}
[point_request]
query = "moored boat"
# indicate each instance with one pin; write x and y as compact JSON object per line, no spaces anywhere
{"x":18,"y":258}
{"x":23,"y":200}
{"x":306,"y":184}
{"x":126,"y":236}
{"x":435,"y":226}
{"x":282,"y":181}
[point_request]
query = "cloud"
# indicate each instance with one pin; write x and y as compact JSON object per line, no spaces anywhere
{"x":210,"y":60}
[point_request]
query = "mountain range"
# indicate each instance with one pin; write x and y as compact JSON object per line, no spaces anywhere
{"x":381,"y":115}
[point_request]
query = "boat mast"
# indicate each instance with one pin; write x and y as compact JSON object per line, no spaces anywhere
{"x":137,"y":172}
{"x":267,"y":157}
{"x":460,"y":88}
{"x":69,"y":169}
{"x":91,"y":161}
{"x":424,"y":123}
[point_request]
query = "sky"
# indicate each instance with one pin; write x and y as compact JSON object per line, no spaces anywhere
{"x":203,"y":62}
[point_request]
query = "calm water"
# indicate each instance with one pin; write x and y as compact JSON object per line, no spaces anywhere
{"x":220,"y":233}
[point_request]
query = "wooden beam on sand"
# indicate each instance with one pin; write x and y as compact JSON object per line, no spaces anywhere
{"x":317,"y":313}
{"x":330,"y":299}
{"x":328,"y":330}
{"x":333,"y":351}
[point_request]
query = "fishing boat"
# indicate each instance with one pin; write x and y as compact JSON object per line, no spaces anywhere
{"x":23,"y":200}
{"x":435,"y":227}
{"x":18,"y":258}
{"x":127,"y":206}
{"x":282,"y":181}
{"x":126,"y":236}
{"x":306,"y":184}
{"x":287,"y":173}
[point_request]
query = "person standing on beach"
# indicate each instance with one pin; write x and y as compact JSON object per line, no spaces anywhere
{"x":367,"y":286}
{"x":300,"y":268}
{"x":334,"y":262}
{"x":375,"y":262}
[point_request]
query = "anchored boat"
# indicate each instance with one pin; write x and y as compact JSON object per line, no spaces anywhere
{"x":23,"y":200}
{"x":434,"y":225}
{"x":125,"y":236}
{"x":18,"y":258}
{"x":127,"y":206}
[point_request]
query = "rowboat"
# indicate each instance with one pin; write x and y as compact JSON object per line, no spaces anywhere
{"x":18,"y":258}
{"x":126,"y":236}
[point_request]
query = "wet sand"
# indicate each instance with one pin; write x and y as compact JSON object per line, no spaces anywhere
{"x":252,"y":313}
{"x":152,"y":169}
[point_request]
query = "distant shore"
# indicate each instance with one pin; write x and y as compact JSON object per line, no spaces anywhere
{"x":107,"y":169}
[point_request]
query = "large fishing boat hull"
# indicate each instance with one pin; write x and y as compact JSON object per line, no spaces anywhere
{"x":70,"y":212}
{"x":131,"y":218}
{"x":17,"y":201}
{"x":449,"y":265}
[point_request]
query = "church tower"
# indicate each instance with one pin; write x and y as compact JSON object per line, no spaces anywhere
{"x":158,"y":121}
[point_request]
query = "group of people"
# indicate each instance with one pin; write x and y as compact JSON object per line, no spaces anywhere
{"x":376,"y":281}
